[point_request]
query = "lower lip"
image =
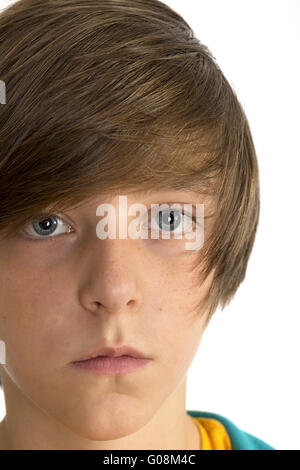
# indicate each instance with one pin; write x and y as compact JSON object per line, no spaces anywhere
{"x":106,"y":365}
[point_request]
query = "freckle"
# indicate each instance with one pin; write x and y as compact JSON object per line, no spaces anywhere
{"x":160,"y":309}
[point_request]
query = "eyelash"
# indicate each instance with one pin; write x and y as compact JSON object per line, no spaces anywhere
{"x":45,"y":216}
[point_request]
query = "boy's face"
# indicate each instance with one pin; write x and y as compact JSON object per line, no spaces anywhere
{"x":70,"y":293}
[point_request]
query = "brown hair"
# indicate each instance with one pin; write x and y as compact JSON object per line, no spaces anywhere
{"x":103,"y":94}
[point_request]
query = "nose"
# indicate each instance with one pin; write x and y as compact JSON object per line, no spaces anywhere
{"x":111,"y":277}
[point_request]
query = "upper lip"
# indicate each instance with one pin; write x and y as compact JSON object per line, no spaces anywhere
{"x":113,"y":352}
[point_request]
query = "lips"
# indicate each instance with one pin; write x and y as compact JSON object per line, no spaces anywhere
{"x":114,"y":352}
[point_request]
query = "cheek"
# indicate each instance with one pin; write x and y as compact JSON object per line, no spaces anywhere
{"x":31,"y":305}
{"x":177,"y":328}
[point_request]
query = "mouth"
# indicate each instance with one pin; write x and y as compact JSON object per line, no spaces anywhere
{"x":112,"y":361}
{"x":113,"y":353}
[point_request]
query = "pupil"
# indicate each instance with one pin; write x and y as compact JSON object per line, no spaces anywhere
{"x":45,"y":223}
{"x":170,"y":220}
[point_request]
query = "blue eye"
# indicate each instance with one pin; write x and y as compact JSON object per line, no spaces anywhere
{"x":169,"y":220}
{"x":46,"y":225}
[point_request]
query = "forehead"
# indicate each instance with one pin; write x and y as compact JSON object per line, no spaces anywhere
{"x":163,"y":192}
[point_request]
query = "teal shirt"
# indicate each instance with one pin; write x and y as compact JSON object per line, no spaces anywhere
{"x":240,"y":440}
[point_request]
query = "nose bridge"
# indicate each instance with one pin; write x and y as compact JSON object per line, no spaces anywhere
{"x":113,"y":274}
{"x":114,"y":255}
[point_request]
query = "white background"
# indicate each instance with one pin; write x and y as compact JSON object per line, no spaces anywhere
{"x":247,"y":366}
